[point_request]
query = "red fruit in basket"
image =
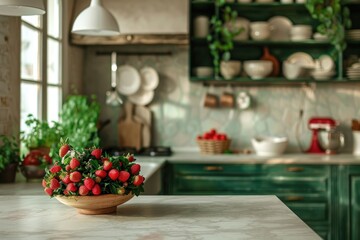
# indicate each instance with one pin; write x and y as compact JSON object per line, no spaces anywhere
{"x":138,"y":180}
{"x":48,"y":191}
{"x":97,"y":153}
{"x":43,"y":183}
{"x":89,"y":183}
{"x":114,"y":174}
{"x":75,"y":176}
{"x":199,"y":137}
{"x":212,"y":131}
{"x":66,"y":192}
{"x":96,"y":190}
{"x":55,"y":169}
{"x":54,"y":184}
{"x":67,"y":168}
{"x":64,"y":149}
{"x":123,"y":176}
{"x":66,"y":179}
{"x":74,"y":163}
{"x":100,"y":173}
{"x":135,"y":169}
{"x":207,"y":136}
{"x":83,"y":190}
{"x":107,"y":165}
{"x":131,"y":158}
{"x":48,"y":159}
{"x":71,"y":187}
{"x":32,"y":158}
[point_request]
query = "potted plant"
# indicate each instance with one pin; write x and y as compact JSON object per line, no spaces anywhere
{"x":9,"y":158}
{"x":79,"y":117}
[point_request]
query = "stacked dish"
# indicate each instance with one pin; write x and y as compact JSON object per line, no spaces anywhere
{"x":298,"y":65}
{"x":324,"y":69}
{"x":301,"y":32}
{"x":353,"y":72}
{"x":353,"y":34}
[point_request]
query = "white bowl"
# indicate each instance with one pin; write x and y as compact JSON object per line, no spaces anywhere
{"x":322,"y":75}
{"x":258,"y":69}
{"x":260,"y":30}
{"x":230,"y":69}
{"x":296,"y":70}
{"x":269,"y":146}
{"x":203,"y":71}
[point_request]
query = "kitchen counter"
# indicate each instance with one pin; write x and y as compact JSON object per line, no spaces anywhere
{"x":154,"y":217}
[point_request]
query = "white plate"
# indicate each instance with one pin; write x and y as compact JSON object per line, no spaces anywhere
{"x":129,"y":80}
{"x":142,"y":97}
{"x":302,"y":59}
{"x":327,"y":63}
{"x":149,"y":78}
{"x":280,"y":28}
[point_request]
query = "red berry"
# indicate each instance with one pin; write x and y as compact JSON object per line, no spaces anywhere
{"x":54,"y":184}
{"x":68,"y":168}
{"x":131,"y":158}
{"x":89,"y":183}
{"x":71,"y":187}
{"x":97,"y":179}
{"x":83,"y":190}
{"x":48,"y":191}
{"x":138,"y":180}
{"x":74,"y":163}
{"x":48,"y":158}
{"x":55,"y":169}
{"x":114,"y":174}
{"x":100,"y":173}
{"x":97,"y":153}
{"x":64,"y":150}
{"x":66,"y":179}
{"x":107,"y":165}
{"x":66,"y":192}
{"x":96,"y":190}
{"x":124,"y":176}
{"x":75,"y":176}
{"x":43,"y":183}
{"x":135,"y":169}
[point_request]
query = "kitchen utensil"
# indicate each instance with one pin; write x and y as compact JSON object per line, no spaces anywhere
{"x":317,"y":124}
{"x":269,"y":146}
{"x":332,"y":140}
{"x":144,"y":114}
{"x":149,"y":78}
{"x":112,"y":97}
{"x":129,"y":130}
{"x":276,"y":65}
{"x":280,"y":28}
{"x":142,"y":97}
{"x":227,"y":100}
{"x":243,"y":100}
{"x":230,"y":69}
{"x":259,"y":30}
{"x":129,"y":80}
{"x":356,"y":142}
{"x":258,"y":69}
{"x":201,"y":26}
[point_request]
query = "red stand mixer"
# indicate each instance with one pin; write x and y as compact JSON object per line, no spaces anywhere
{"x":317,"y":124}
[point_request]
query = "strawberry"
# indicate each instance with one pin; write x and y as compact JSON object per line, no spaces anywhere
{"x":43,"y":183}
{"x":107,"y":165}
{"x":114,"y":174}
{"x":67,"y":168}
{"x":131,"y":158}
{"x":75,"y":176}
{"x":71,"y":187}
{"x":66,"y":192}
{"x":104,"y":159}
{"x":121,"y":191}
{"x":97,"y":153}
{"x":135,"y":169}
{"x":55,"y":169}
{"x":83,"y":190}
{"x":138,"y":180}
{"x":66,"y":179}
{"x":97,"y":179}
{"x":54,"y":184}
{"x":48,"y":159}
{"x":89,"y":183}
{"x":100,"y":173}
{"x":96,"y":189}
{"x":74,"y":163}
{"x":48,"y":191}
{"x":124,"y":176}
{"x":64,"y":150}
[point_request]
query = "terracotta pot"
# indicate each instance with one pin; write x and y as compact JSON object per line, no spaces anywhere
{"x":9,"y":173}
{"x":276,"y":65}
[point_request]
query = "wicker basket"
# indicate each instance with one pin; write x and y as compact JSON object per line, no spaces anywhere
{"x":213,"y":146}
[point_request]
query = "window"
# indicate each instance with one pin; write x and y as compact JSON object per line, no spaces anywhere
{"x":41,"y":65}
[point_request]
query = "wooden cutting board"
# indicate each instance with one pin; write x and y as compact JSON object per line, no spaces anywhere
{"x":143,"y":114}
{"x":130,"y":131}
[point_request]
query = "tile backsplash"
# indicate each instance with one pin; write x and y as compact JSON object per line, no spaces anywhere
{"x":179,"y":115}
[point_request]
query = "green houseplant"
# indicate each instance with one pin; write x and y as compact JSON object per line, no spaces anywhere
{"x":79,"y":117}
{"x":9,"y":158}
{"x":220,"y":38}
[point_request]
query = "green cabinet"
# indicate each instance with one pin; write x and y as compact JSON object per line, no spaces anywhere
{"x":349,"y":202}
{"x":305,"y":189}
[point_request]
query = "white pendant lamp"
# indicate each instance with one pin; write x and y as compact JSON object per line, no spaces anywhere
{"x":96,"y":21}
{"x":21,"y":7}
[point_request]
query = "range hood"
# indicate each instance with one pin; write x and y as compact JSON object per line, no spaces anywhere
{"x":141,"y":22}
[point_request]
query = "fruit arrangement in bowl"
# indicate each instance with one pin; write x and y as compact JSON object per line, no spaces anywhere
{"x":213,"y":142}
{"x":34,"y":164}
{"x":91,"y":182}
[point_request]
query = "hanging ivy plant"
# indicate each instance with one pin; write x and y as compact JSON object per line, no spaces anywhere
{"x":220,"y":38}
{"x":333,"y":19}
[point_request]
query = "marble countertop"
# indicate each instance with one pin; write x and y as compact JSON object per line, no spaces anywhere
{"x":154,"y":217}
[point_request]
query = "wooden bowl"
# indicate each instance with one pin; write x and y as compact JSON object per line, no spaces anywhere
{"x":92,"y":205}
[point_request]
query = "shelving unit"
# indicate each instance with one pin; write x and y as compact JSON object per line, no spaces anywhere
{"x":253,"y":50}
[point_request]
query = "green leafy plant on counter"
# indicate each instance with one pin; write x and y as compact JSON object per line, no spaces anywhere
{"x":220,"y":38}
{"x":333,"y":19}
{"x":9,"y":151}
{"x":79,"y":117}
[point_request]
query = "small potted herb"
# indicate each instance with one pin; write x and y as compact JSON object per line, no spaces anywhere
{"x":9,"y":158}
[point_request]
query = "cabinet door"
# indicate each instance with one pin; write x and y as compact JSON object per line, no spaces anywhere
{"x":355,"y":206}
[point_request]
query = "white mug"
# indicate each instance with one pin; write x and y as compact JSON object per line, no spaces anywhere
{"x":201,"y":26}
{"x":356,"y":138}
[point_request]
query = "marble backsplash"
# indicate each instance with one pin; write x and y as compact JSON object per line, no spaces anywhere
{"x":179,"y":115}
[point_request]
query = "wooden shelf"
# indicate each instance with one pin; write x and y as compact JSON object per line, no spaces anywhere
{"x":268,"y":42}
